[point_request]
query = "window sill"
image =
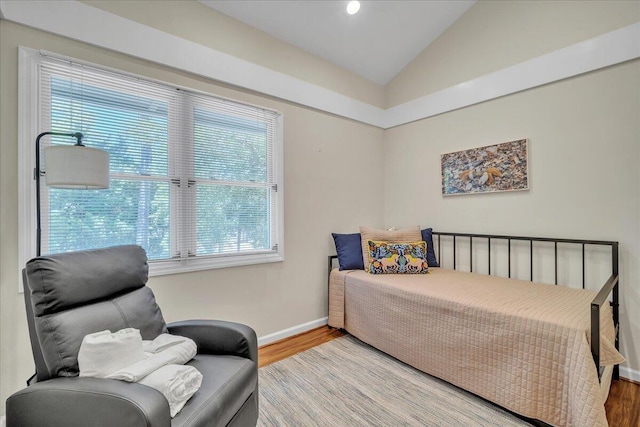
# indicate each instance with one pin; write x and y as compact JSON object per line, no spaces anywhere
{"x":161,"y":268}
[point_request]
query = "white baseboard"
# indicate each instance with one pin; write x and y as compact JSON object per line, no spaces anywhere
{"x":294,"y":330}
{"x":630,"y":374}
{"x":3,"y":421}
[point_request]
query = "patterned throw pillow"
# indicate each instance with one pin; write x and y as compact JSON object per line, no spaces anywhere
{"x":396,"y":235}
{"x":397,"y":258}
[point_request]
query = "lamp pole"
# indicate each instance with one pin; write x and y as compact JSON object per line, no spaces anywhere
{"x":36,"y":176}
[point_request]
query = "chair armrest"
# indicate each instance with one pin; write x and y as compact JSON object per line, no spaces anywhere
{"x":219,"y":337}
{"x":81,"y":402}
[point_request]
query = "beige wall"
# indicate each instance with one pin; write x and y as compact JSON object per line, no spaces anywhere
{"x":495,"y":34}
{"x":323,"y":154}
{"x":584,"y":143}
{"x":584,"y":136}
{"x":196,"y":22}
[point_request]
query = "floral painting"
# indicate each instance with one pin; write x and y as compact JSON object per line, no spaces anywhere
{"x":500,"y":167}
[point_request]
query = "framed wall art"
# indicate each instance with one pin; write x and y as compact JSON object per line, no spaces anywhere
{"x":500,"y":167}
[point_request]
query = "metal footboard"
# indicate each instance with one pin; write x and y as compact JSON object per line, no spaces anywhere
{"x":611,"y":287}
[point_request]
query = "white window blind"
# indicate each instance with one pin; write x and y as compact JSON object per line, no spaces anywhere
{"x":194,"y":178}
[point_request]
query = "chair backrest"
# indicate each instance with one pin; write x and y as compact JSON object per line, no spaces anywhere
{"x":73,"y":294}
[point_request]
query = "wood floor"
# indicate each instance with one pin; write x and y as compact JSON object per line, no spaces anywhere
{"x":623,"y":405}
{"x":282,"y":349}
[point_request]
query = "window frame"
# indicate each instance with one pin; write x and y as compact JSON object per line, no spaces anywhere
{"x":29,"y":114}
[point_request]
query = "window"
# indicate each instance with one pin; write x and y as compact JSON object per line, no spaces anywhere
{"x":194,"y":179}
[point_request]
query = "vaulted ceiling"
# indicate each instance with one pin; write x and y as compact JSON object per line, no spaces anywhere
{"x":375,"y":43}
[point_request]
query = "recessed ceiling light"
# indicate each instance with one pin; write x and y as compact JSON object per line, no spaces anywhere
{"x":353,"y":7}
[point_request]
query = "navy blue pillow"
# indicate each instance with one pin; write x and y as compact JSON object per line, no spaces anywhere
{"x":349,"y":250}
{"x":427,"y":236}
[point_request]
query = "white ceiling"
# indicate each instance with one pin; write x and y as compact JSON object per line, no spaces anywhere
{"x":376,"y":43}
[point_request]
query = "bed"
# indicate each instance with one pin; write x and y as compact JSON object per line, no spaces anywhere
{"x":531,"y":348}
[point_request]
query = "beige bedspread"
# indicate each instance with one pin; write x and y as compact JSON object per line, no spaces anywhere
{"x":522,"y":345}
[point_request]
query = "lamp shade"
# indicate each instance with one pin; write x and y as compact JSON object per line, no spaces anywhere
{"x":76,"y":166}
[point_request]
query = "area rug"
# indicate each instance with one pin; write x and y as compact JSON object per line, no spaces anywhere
{"x":345,"y":383}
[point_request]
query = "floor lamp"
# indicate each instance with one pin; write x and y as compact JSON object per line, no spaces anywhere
{"x":69,"y":166}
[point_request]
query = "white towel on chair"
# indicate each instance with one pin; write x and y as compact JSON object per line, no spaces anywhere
{"x":162,"y":342}
{"x":176,"y":382}
{"x":104,"y":352}
{"x":180,"y":351}
{"x":159,"y":363}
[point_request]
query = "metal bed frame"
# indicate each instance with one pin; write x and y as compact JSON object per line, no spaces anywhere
{"x":611,"y":286}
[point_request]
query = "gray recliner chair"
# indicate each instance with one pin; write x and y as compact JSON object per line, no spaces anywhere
{"x":71,"y":295}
